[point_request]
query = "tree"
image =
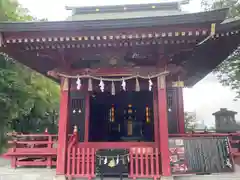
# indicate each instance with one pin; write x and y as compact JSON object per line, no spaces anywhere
{"x":25,"y":95}
{"x":11,"y":10}
{"x":228,"y":72}
{"x":190,"y":121}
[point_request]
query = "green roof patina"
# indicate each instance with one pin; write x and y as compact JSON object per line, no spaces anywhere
{"x":124,"y":11}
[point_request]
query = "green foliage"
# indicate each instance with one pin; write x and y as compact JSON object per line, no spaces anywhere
{"x":190,"y":121}
{"x":229,"y":71}
{"x":233,"y":5}
{"x":26,"y":96}
{"x":11,"y":10}
{"x":28,"y":100}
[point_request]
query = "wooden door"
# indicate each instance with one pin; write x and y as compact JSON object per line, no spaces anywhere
{"x":172,"y":111}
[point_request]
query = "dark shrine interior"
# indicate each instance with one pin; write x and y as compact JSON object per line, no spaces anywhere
{"x":124,"y":117}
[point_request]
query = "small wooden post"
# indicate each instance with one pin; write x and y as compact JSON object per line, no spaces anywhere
{"x":75,"y":130}
{"x":46,"y":131}
{"x":49,"y":146}
{"x":163,"y":126}
{"x":14,"y":158}
{"x":75,"y":133}
{"x":62,"y":128}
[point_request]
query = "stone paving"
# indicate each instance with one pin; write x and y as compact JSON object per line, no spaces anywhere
{"x":7,"y":173}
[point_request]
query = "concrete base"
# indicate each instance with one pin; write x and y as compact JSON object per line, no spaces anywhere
{"x":7,"y":173}
{"x":167,"y":178}
{"x":60,"y":178}
{"x":224,"y":176}
{"x":26,"y":174}
{"x":209,"y":177}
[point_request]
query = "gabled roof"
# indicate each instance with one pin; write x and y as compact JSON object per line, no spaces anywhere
{"x":198,"y":61}
{"x":213,"y":51}
{"x":216,"y":16}
{"x":224,"y":111}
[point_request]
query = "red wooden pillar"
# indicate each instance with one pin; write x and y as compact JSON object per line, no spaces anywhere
{"x":87,"y":116}
{"x":155,"y":116}
{"x":163,"y":126}
{"x":62,"y":128}
{"x":181,"y":121}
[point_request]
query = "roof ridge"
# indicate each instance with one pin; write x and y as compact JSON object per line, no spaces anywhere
{"x":119,"y":5}
{"x":175,"y":5}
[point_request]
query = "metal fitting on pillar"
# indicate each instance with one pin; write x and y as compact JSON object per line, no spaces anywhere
{"x":161,"y":82}
{"x":65,"y":84}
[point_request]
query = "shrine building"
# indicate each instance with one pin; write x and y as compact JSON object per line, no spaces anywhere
{"x":122,"y":70}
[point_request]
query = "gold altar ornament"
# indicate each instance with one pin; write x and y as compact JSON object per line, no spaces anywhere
{"x":112,"y":163}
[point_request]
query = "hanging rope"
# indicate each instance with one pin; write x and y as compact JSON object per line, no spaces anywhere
{"x":110,"y":157}
{"x":113,"y":79}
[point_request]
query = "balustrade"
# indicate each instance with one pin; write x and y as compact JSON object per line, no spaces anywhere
{"x":33,"y":150}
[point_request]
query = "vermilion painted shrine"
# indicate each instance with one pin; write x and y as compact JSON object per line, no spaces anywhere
{"x":121,"y":107}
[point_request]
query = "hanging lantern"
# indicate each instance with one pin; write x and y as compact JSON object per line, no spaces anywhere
{"x":124,"y":85}
{"x":90,"y":88}
{"x":150,"y":84}
{"x":112,"y":163}
{"x":112,"y":113}
{"x":147,"y":114}
{"x":137,"y":89}
{"x":101,"y":85}
{"x":113,"y":89}
{"x":78,"y":82}
{"x":213,"y":29}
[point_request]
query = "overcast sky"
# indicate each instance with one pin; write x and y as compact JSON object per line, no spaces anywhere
{"x":204,"y":98}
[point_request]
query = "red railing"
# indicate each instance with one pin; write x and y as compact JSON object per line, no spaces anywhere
{"x":234,"y":141}
{"x":144,"y":163}
{"x":81,"y":162}
{"x":234,"y":144}
{"x":81,"y":159}
{"x":205,"y":134}
{"x":33,"y":150}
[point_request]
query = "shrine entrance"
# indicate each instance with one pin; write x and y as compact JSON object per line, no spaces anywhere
{"x":124,"y":117}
